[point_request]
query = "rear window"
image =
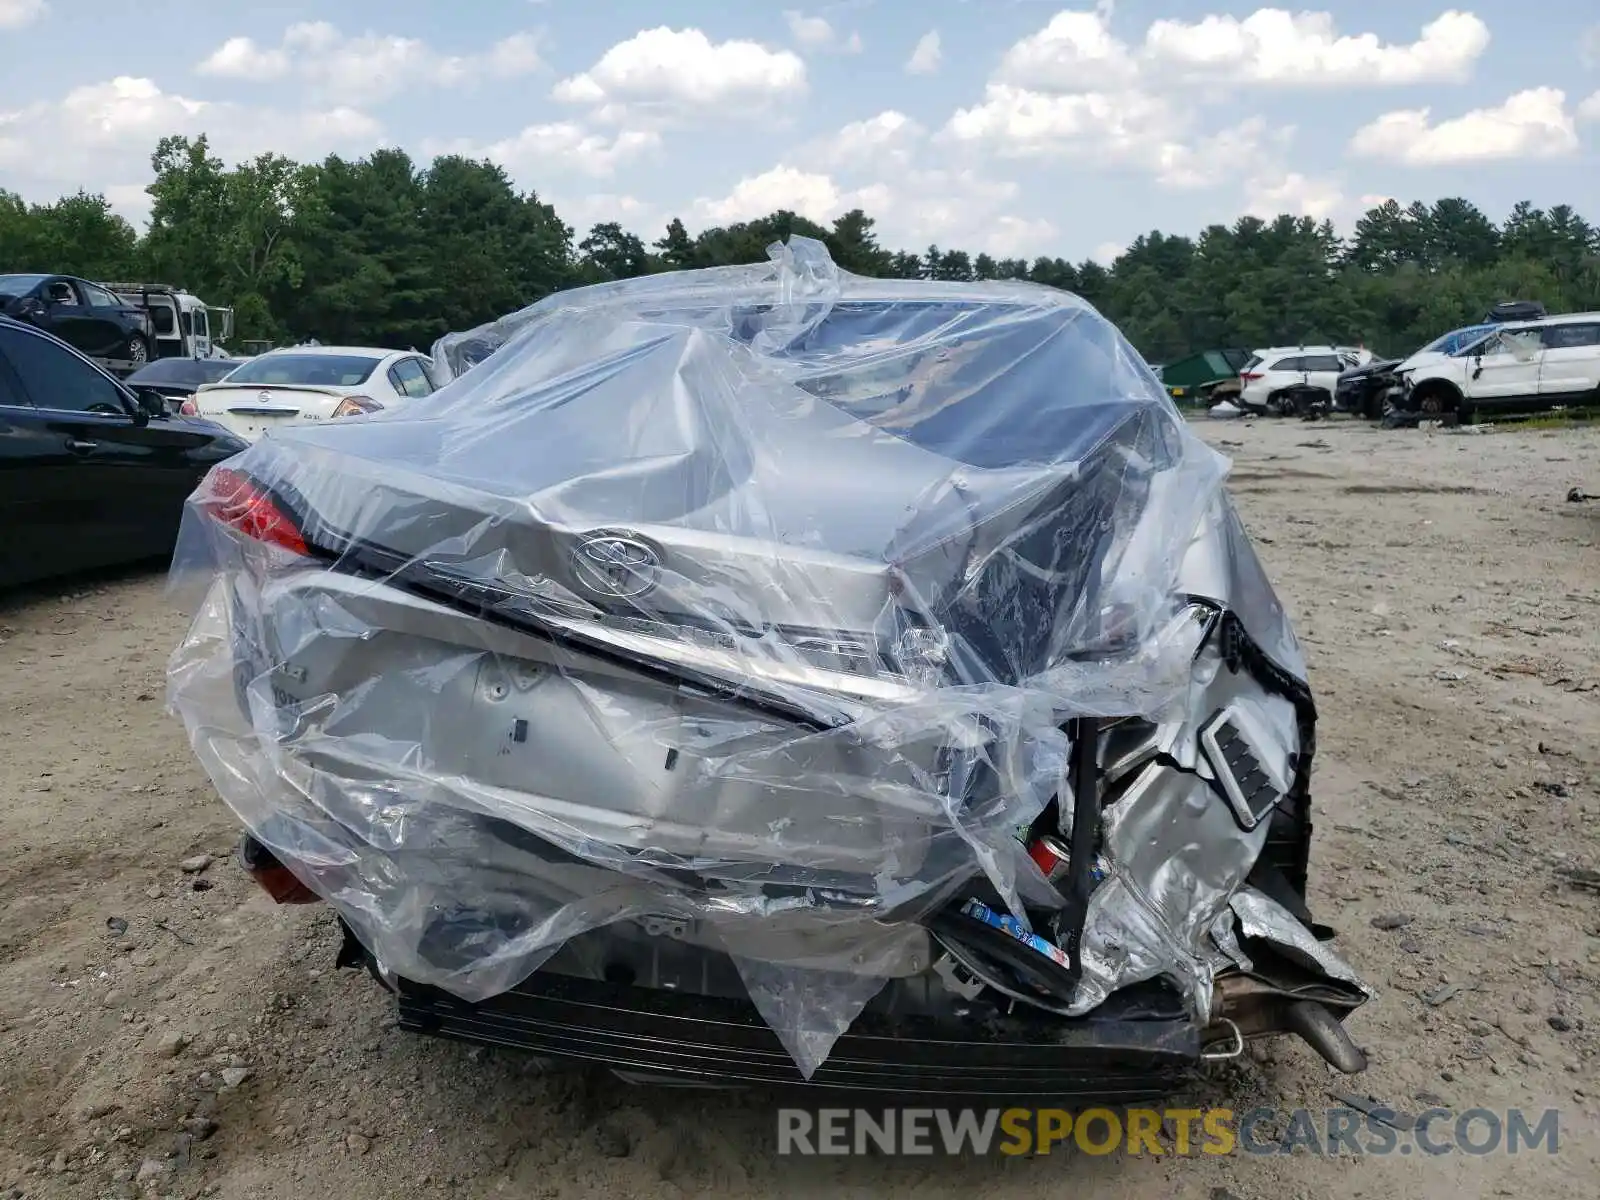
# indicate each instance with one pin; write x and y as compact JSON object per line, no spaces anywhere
{"x":1571,"y":337}
{"x":927,"y":373}
{"x":19,"y":285}
{"x":313,"y":370}
{"x":1251,"y":363}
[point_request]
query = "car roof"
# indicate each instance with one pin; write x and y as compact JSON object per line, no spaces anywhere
{"x":1560,"y":319}
{"x":372,"y":351}
{"x":35,"y":331}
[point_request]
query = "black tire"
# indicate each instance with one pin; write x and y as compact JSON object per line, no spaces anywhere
{"x":1436,"y":400}
{"x":137,"y":351}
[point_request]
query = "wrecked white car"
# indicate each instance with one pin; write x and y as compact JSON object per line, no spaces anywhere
{"x":766,"y":674}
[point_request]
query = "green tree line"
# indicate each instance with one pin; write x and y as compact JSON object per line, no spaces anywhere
{"x":383,"y":251}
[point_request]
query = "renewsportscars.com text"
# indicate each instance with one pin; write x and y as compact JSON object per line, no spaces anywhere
{"x":1166,"y":1131}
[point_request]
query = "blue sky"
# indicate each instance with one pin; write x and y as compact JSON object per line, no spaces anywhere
{"x":1020,"y":127}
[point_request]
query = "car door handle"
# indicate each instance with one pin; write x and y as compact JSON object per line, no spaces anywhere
{"x":79,"y":446}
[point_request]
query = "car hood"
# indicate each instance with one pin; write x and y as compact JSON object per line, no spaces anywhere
{"x":1375,"y":367}
{"x":1427,"y":359}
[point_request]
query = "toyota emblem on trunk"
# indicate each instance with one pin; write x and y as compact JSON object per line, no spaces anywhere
{"x":613,"y":565}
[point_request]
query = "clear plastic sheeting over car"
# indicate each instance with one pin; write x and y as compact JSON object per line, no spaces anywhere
{"x":753,"y":608}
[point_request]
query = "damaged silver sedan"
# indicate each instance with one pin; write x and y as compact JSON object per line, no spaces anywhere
{"x":770,"y":675}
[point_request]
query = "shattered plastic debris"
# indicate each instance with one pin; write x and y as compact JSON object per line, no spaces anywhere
{"x":748,"y":604}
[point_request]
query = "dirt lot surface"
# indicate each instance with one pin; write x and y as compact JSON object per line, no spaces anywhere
{"x":169,"y":1032}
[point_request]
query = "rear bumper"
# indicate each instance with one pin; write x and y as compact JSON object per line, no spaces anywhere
{"x":667,"y":1037}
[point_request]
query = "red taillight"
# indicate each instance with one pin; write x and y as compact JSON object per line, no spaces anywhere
{"x":189,"y":408}
{"x":355,"y":406}
{"x":238,"y":502}
{"x":1250,"y":376}
{"x":282,"y":884}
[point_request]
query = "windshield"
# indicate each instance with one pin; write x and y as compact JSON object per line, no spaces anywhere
{"x":1454,"y":340}
{"x":1470,"y":346}
{"x":314,"y":370}
{"x":184,"y":370}
{"x":16,"y":285}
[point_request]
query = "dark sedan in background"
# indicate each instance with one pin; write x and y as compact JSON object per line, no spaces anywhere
{"x":179,"y":378}
{"x":92,"y":473}
{"x":84,"y":315}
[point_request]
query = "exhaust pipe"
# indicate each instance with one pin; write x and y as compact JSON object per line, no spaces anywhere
{"x":1325,"y":1034}
{"x":1255,"y":1007}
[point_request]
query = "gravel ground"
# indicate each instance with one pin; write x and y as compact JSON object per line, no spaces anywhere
{"x":164,"y":1030}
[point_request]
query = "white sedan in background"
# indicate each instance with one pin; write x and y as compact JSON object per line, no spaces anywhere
{"x":312,"y":383}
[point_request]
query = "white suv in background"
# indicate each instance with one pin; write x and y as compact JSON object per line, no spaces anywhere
{"x":1270,"y":374}
{"x":1523,"y":365}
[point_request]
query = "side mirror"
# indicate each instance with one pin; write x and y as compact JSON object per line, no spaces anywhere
{"x":151,"y":402}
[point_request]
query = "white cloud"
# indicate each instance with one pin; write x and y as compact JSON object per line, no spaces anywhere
{"x":1073,"y":89}
{"x":367,"y":68}
{"x":1589,"y":110}
{"x":891,"y":136}
{"x":1292,"y":192}
{"x":665,"y":72}
{"x":1219,"y":156}
{"x":538,"y":149}
{"x":813,"y":33}
{"x":1530,"y":124}
{"x":241,"y":58}
{"x":957,"y":209}
{"x":1371,"y":200}
{"x":1589,"y":47}
{"x":1019,"y":237}
{"x":1075,"y":52}
{"x":1107,"y":253}
{"x":516,"y":55}
{"x":817,"y":33}
{"x":807,"y":193}
{"x":926,"y":55}
{"x":1133,"y":129}
{"x":107,"y":131}
{"x":14,"y":14}
{"x":585,"y":210}
{"x":1273,"y":46}
{"x":1016,"y":122}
